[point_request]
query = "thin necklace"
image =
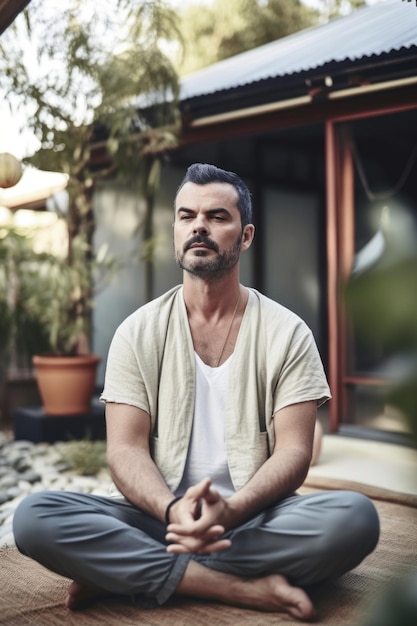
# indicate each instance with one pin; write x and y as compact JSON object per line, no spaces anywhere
{"x":229,"y":331}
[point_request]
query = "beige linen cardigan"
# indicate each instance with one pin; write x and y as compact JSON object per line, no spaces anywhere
{"x":151,"y":365}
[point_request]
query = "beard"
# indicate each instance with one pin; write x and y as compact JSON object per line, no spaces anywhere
{"x":208,"y":268}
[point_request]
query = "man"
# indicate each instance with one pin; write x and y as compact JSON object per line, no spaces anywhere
{"x":211,"y":394}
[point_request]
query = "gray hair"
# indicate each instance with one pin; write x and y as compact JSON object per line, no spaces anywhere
{"x":203,"y":174}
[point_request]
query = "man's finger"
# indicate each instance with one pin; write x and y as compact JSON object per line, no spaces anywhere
{"x":199,"y":490}
{"x":194,"y":530}
{"x":212,"y":495}
{"x":199,"y":548}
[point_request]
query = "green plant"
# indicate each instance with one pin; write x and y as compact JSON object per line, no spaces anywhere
{"x":45,"y":303}
{"x":65,"y":305}
{"x":22,"y":282}
{"x":85,"y":457}
{"x":102,"y":101}
{"x":383,"y":304}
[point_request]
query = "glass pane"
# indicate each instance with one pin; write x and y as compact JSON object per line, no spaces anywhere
{"x":382,"y":340}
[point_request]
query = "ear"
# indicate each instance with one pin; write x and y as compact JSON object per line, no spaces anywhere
{"x":247,"y":236}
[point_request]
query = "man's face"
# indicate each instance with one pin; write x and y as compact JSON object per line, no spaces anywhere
{"x":207,"y":229}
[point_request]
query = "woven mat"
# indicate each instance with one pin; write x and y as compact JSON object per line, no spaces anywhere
{"x":31,"y":595}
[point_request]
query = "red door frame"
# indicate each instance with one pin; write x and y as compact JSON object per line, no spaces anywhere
{"x":340,"y":224}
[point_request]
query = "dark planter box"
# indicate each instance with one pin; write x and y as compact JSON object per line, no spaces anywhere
{"x":19,"y":389}
{"x":32,"y":424}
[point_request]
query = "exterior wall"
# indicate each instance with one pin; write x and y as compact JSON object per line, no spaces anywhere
{"x":118,"y":213}
{"x":292,"y":254}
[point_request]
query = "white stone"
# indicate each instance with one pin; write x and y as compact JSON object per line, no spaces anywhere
{"x":7,"y":541}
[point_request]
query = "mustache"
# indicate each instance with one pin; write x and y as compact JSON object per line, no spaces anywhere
{"x":209,"y":243}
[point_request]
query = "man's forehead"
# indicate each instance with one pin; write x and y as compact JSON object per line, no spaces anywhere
{"x":222,"y":194}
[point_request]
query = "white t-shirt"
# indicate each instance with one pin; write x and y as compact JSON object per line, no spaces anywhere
{"x":206,"y":455}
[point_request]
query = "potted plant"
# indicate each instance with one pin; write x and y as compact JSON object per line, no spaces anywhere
{"x":84,"y":111}
{"x":22,"y":332}
{"x":45,"y":314}
{"x":66,"y":372}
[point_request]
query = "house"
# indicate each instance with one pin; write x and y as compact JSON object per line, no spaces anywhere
{"x":322,"y":125}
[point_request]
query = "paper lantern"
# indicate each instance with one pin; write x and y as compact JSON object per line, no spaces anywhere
{"x":10,"y":170}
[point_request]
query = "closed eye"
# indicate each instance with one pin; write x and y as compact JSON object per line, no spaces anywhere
{"x":219,"y":215}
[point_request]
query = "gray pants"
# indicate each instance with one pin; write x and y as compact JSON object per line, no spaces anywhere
{"x":110,"y":544}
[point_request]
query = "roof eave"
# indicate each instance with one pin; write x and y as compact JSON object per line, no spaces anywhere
{"x":318,"y":83}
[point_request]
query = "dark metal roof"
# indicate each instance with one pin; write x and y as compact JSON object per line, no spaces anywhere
{"x":367,"y":38}
{"x":9,"y":9}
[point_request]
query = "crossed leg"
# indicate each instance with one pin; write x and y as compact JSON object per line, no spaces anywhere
{"x":268,"y":593}
{"x":113,"y":545}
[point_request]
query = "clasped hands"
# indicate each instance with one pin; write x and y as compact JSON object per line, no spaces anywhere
{"x":198,"y":521}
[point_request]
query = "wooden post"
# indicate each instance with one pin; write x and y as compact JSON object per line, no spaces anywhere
{"x":332,"y":272}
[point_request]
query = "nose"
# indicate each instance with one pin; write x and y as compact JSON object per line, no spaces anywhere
{"x":200,"y":227}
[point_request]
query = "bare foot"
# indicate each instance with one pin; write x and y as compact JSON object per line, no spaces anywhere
{"x":79,"y":596}
{"x":274,"y":593}
{"x":269,"y":593}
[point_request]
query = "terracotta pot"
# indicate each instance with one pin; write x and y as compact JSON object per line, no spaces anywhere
{"x":66,"y":384}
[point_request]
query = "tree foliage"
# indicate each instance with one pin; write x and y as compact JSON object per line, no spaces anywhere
{"x":329,"y":9}
{"x":88,"y":73}
{"x":218,"y":30}
{"x":75,"y":68}
{"x":213,"y":31}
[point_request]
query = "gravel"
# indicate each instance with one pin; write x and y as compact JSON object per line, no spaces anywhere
{"x":26,"y":467}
